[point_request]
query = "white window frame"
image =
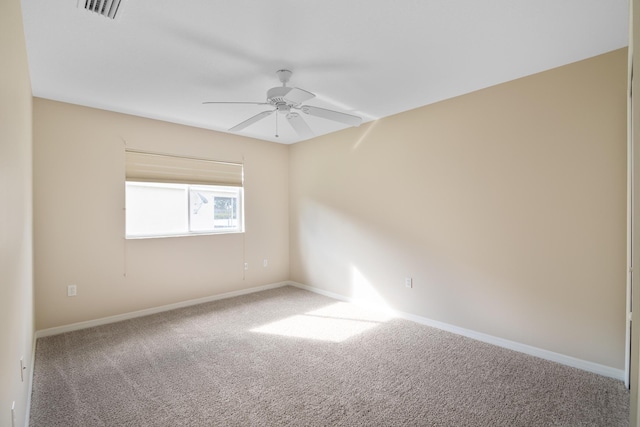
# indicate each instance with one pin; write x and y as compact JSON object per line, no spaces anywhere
{"x":225,"y":191}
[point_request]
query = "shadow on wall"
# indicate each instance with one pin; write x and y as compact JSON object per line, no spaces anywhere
{"x":369,"y":263}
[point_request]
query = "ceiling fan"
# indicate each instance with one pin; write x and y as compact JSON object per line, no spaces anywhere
{"x":287,"y":101}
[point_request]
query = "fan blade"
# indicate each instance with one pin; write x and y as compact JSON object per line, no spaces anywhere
{"x":298,"y":96}
{"x":251,"y":120}
{"x":232,"y":102}
{"x":299,"y":125}
{"x":332,"y":115}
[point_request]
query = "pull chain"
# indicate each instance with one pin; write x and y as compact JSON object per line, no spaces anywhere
{"x":277,"y":136}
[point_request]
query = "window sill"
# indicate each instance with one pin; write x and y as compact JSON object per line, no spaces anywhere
{"x":165,"y":236}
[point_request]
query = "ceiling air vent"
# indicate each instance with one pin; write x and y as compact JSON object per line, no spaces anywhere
{"x":107,"y":8}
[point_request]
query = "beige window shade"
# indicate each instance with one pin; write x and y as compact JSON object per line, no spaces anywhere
{"x":152,"y":167}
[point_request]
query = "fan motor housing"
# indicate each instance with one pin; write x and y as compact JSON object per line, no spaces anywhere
{"x":276,"y":95}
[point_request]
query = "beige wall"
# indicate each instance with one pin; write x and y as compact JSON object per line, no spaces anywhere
{"x":507,"y":206}
{"x":16,"y":283}
{"x":79,"y":218}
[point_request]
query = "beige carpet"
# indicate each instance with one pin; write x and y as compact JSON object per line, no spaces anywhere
{"x":288,"y":357}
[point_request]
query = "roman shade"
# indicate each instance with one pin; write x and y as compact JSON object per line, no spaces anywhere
{"x":152,"y":167}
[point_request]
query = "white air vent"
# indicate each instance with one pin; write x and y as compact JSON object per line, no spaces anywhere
{"x":108,"y":8}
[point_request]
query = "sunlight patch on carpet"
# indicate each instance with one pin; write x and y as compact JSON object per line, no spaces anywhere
{"x":335,"y":323}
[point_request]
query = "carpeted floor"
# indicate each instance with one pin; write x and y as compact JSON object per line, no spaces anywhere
{"x":288,"y":357}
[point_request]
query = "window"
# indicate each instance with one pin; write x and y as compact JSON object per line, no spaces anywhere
{"x":174,"y":196}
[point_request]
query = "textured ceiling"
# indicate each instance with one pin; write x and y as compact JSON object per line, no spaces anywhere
{"x":161,"y":59}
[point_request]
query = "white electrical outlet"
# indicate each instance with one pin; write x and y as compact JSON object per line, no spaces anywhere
{"x":72,"y":290}
{"x":246,"y":266}
{"x":265,"y":262}
{"x":408,"y":282}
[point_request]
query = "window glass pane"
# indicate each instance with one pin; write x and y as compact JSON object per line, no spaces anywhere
{"x":201,"y":208}
{"x":213,"y":209}
{"x":226,"y":212}
{"x":155,"y":209}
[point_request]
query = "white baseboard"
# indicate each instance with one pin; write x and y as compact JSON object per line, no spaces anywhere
{"x":512,"y":345}
{"x":140,"y":313}
{"x":585,"y":365}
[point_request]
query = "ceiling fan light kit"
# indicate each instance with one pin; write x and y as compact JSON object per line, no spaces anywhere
{"x":284,"y":99}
